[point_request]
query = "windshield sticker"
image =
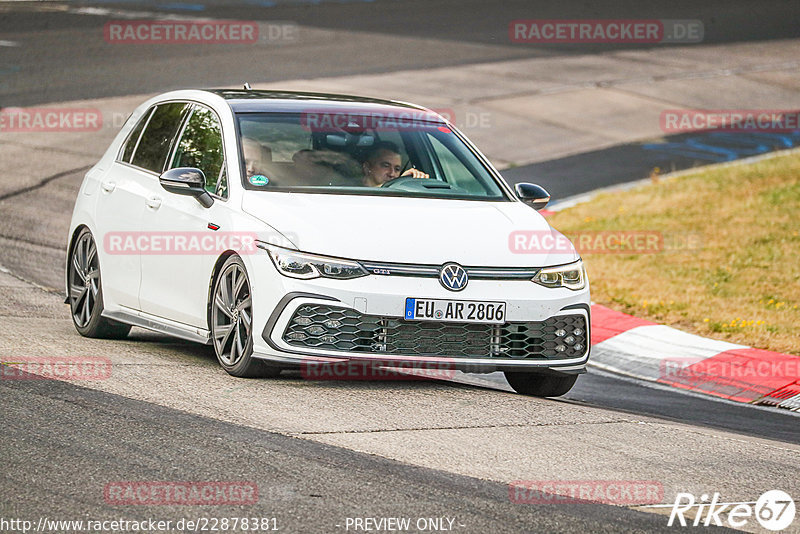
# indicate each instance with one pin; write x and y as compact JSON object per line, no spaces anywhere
{"x":259,"y":179}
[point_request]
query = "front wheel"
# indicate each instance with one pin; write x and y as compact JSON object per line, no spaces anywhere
{"x":232,"y":322}
{"x":540,"y":385}
{"x":86,"y":292}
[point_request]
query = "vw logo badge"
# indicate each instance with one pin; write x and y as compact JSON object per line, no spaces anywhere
{"x":453,"y":277}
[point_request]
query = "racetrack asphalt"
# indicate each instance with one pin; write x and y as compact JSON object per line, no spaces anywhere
{"x":62,"y":55}
{"x":85,"y":439}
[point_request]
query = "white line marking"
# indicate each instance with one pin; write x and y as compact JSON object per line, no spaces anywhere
{"x":602,"y":371}
{"x":133,"y":15}
{"x":8,"y":43}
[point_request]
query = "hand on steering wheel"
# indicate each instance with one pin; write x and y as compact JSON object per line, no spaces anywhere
{"x":415,"y":173}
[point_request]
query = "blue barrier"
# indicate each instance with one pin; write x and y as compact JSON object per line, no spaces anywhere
{"x":725,"y":146}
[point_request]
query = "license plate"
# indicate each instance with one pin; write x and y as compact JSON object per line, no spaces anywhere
{"x":455,"y":311}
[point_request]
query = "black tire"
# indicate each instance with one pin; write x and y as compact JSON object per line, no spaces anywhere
{"x":86,"y":291}
{"x":540,"y":385}
{"x":231,"y":322}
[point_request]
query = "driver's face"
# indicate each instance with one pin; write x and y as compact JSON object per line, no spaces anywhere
{"x":383,"y":167}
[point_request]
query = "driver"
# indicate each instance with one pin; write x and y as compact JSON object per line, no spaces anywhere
{"x":383,"y":163}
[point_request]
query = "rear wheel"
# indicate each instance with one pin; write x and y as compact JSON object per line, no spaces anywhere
{"x":86,"y":292}
{"x":232,"y":322}
{"x":540,"y":385}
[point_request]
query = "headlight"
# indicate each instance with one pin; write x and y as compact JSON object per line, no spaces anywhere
{"x":302,"y":265}
{"x":571,"y":276}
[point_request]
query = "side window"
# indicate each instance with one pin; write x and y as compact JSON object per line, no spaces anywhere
{"x":200,"y":146}
{"x":455,"y":172}
{"x":157,"y":138}
{"x":133,"y":138}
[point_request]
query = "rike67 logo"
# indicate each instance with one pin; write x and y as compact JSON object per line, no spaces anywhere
{"x":774,"y":510}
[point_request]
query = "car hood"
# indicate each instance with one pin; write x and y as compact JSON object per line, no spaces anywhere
{"x":412,"y":230}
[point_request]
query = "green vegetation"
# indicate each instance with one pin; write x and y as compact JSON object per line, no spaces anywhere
{"x":729,"y":262}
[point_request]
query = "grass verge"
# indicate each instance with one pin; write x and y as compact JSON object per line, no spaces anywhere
{"x":720,"y":256}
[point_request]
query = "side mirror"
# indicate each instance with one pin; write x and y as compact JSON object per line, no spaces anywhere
{"x":187,"y":181}
{"x":533,"y":195}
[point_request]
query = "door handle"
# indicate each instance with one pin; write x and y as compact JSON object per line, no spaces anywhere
{"x":108,"y":186}
{"x":153,"y":202}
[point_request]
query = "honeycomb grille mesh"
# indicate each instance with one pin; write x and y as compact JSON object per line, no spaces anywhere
{"x":328,"y":327}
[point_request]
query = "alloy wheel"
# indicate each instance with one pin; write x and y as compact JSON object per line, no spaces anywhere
{"x":84,"y":280}
{"x":232,"y":315}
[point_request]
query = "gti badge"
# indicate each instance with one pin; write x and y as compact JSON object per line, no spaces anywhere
{"x":453,"y":277}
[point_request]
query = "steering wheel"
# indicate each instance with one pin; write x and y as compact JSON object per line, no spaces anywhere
{"x":417,"y":184}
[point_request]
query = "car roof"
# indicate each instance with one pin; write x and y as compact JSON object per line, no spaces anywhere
{"x":254,"y":101}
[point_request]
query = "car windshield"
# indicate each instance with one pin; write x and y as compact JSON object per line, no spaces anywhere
{"x":346,"y":153}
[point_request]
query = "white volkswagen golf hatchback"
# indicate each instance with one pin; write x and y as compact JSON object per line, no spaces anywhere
{"x":292,"y":230}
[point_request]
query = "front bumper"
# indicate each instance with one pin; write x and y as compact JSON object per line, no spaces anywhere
{"x":371,"y":309}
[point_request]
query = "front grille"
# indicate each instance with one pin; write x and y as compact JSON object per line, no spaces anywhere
{"x":327,"y":327}
{"x":543,"y":338}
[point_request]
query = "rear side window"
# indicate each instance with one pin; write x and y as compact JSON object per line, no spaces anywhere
{"x":156,"y":140}
{"x":133,"y":138}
